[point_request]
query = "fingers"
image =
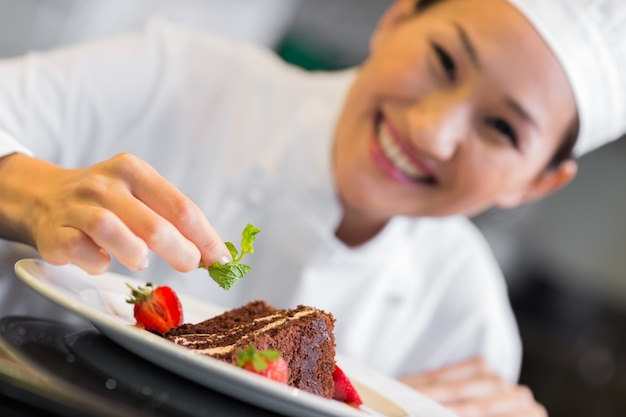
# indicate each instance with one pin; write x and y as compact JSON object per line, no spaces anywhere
{"x":457,"y":372}
{"x":471,"y":388}
{"x":83,"y":243}
{"x":171,"y":224}
{"x":71,"y":245}
{"x":128,"y":228}
{"x":181,"y":212}
{"x":509,"y":401}
{"x":124,"y":208}
{"x":109,"y":232}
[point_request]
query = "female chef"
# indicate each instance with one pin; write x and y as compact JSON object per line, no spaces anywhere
{"x":116,"y":154}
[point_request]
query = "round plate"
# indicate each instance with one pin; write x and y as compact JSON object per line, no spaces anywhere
{"x":101,"y":300}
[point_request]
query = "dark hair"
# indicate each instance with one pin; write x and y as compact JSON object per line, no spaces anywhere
{"x":422,"y":5}
{"x":565,"y":150}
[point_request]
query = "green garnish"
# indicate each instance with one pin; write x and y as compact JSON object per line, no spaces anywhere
{"x":259,"y":359}
{"x":226,"y":275}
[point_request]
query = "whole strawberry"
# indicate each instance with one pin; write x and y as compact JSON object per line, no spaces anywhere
{"x":268,"y":363}
{"x":344,"y":390}
{"x":157,"y":309}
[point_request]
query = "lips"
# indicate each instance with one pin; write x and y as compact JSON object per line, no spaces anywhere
{"x":393,"y":156}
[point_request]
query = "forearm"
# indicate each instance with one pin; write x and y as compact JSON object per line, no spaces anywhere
{"x":80,"y":105}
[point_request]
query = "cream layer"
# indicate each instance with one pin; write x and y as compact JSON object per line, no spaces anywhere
{"x":220,"y":350}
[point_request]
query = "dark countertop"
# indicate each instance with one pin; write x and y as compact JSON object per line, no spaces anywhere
{"x":50,"y":368}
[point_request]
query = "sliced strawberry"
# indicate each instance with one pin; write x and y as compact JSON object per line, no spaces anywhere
{"x":268,"y":363}
{"x":344,"y":390}
{"x":157,"y":309}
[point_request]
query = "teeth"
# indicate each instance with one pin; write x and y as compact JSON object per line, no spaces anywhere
{"x":394,"y":153}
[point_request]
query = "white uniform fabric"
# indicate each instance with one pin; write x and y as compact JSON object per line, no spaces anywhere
{"x":249,"y":139}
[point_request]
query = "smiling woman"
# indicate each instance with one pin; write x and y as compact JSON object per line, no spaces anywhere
{"x":362,"y":180}
{"x":449,"y":95}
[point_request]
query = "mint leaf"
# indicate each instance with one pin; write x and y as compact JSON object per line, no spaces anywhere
{"x":226,"y":275}
{"x":232,"y":249}
{"x":259,"y":363}
{"x":270,"y":354}
{"x":248,"y":236}
{"x":259,"y":359}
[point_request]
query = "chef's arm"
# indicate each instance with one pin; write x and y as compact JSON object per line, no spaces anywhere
{"x":65,"y":188}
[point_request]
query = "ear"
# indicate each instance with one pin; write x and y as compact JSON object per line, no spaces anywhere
{"x":546,"y":183}
{"x":396,"y":13}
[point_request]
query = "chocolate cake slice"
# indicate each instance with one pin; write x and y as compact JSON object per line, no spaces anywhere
{"x":304,"y":336}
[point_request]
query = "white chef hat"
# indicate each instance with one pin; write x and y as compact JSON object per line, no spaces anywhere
{"x":589,"y":39}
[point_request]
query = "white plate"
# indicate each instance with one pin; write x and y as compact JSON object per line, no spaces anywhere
{"x":101,"y":300}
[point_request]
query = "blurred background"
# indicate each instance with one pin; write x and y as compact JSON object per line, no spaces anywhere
{"x":564,"y":257}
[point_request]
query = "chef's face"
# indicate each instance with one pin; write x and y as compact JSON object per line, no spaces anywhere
{"x":458,"y":108}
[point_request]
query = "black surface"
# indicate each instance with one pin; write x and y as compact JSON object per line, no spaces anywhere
{"x":10,"y":407}
{"x":83,"y":373}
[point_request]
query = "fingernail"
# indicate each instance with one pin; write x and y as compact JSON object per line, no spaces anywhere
{"x":144,"y":264}
{"x":224,"y":259}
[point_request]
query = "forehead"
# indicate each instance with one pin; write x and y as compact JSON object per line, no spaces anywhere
{"x":494,"y":24}
{"x":504,"y":38}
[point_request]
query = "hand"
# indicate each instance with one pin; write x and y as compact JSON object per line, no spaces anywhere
{"x":472,"y":389}
{"x":121,"y":207}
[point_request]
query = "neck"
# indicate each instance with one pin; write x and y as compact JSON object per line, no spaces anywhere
{"x":357,"y":227}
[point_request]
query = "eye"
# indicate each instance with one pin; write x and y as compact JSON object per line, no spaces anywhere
{"x":503,"y":127}
{"x":446,"y":61}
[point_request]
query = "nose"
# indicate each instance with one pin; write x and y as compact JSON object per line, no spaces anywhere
{"x":438,"y":124}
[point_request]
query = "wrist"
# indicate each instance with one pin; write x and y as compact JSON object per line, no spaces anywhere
{"x":23,"y":181}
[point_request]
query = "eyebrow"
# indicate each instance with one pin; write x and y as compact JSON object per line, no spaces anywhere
{"x":520,"y":111}
{"x":471,"y":51}
{"x":467,"y":45}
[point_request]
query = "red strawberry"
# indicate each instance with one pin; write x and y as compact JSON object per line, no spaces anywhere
{"x":268,"y":363}
{"x":344,"y":390}
{"x":157,"y":309}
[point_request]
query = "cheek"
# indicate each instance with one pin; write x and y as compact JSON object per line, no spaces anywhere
{"x":397,"y":77}
{"x":348,"y":156}
{"x":485,"y":179}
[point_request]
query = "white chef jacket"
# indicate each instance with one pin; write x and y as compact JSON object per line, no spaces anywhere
{"x":249,"y":139}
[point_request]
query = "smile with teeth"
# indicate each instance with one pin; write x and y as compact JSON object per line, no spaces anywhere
{"x":397,"y":157}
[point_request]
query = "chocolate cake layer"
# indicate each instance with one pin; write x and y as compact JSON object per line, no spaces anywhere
{"x":304,"y":336}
